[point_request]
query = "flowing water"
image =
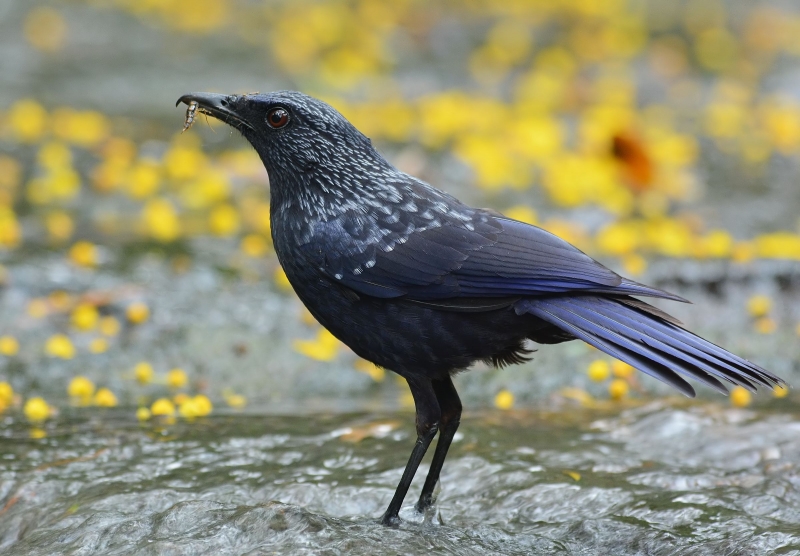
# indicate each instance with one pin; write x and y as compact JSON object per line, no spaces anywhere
{"x":668,"y":477}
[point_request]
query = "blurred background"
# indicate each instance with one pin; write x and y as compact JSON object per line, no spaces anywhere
{"x":662,"y":138}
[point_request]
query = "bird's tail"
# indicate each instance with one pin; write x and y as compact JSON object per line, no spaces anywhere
{"x":648,"y":339}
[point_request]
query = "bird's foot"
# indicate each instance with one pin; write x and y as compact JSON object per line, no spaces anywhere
{"x":390,"y":520}
{"x":424,"y":503}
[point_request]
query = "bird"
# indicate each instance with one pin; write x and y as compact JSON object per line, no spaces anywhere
{"x":419,"y":283}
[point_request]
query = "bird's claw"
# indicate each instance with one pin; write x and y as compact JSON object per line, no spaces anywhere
{"x":390,"y":520}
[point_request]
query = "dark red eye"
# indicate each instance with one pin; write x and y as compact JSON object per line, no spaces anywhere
{"x":277,"y":118}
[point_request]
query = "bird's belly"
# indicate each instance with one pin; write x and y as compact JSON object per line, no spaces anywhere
{"x":406,"y":337}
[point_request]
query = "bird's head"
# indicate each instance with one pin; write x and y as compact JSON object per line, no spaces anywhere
{"x":300,"y":139}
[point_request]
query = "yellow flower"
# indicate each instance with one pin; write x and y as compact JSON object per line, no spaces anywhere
{"x":85,"y":316}
{"x":779,"y":391}
{"x":740,"y":397}
{"x":143,"y":414}
{"x":504,"y":399}
{"x":180,"y":397}
{"x":323,"y":348}
{"x":669,"y":237}
{"x":9,"y":346}
{"x":599,"y":370}
{"x":522,"y":213}
{"x":254,"y":245}
{"x":203,"y":405}
{"x":85,"y":128}
{"x":187,"y":409}
{"x":203,"y":17}
{"x":618,"y":389}
{"x":620,"y":369}
{"x":109,"y":326}
{"x":137,"y":313}
{"x":27,"y":121}
{"x":224,"y":220}
{"x":743,"y":251}
{"x":143,"y":180}
{"x":60,"y":300}
{"x":236,"y":401}
{"x":765,"y":325}
{"x":716,"y":49}
{"x":59,"y":226}
{"x":55,"y":156}
{"x":537,"y":138}
{"x":6,"y":393}
{"x":619,"y":238}
{"x":443,"y":116}
{"x":198,"y":406}
{"x":143,"y":372}
{"x":80,"y":387}
{"x":161,"y":220}
{"x":759,"y":305}
{"x":177,"y":378}
{"x":634,"y":264}
{"x":98,"y":345}
{"x":781,"y":121}
{"x":45,"y":29}
{"x":184,"y":162}
{"x":378,"y":374}
{"x":210,"y":188}
{"x":37,"y":308}
{"x":10,"y":173}
{"x":10,"y":230}
{"x":163,"y":406}
{"x":725,"y":119}
{"x":716,"y":244}
{"x":61,"y":346}
{"x":36,"y":410}
{"x":255,"y":214}
{"x":778,"y":245}
{"x":83,"y":253}
{"x":281,"y":280}
{"x":495,"y":167}
{"x":105,"y":398}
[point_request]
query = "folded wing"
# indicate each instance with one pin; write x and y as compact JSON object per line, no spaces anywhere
{"x":479,"y":257}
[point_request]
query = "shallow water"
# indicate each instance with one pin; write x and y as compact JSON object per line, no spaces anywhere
{"x":666,"y":478}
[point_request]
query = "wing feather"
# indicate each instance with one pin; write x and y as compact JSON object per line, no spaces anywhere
{"x":479,"y":255}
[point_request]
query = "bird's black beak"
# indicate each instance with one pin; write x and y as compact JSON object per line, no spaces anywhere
{"x":218,"y":106}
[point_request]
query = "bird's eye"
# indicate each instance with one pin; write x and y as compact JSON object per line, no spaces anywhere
{"x":277,"y":118}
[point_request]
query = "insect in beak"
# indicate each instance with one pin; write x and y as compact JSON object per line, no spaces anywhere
{"x":191,"y":110}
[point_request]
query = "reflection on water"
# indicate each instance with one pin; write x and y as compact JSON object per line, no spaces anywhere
{"x":659,"y":479}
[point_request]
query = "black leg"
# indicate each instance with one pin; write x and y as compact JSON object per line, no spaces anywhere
{"x":450,"y":406}
{"x":428,"y":415}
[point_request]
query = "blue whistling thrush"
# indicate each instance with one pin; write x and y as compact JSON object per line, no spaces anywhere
{"x":417,"y":282}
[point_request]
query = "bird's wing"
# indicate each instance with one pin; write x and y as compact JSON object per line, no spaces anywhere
{"x":464,"y":256}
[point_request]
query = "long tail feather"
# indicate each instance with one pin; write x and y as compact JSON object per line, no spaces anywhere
{"x":648,"y":339}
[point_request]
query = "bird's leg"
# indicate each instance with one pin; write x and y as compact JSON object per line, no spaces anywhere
{"x":428,"y":415}
{"x":450,"y":406}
